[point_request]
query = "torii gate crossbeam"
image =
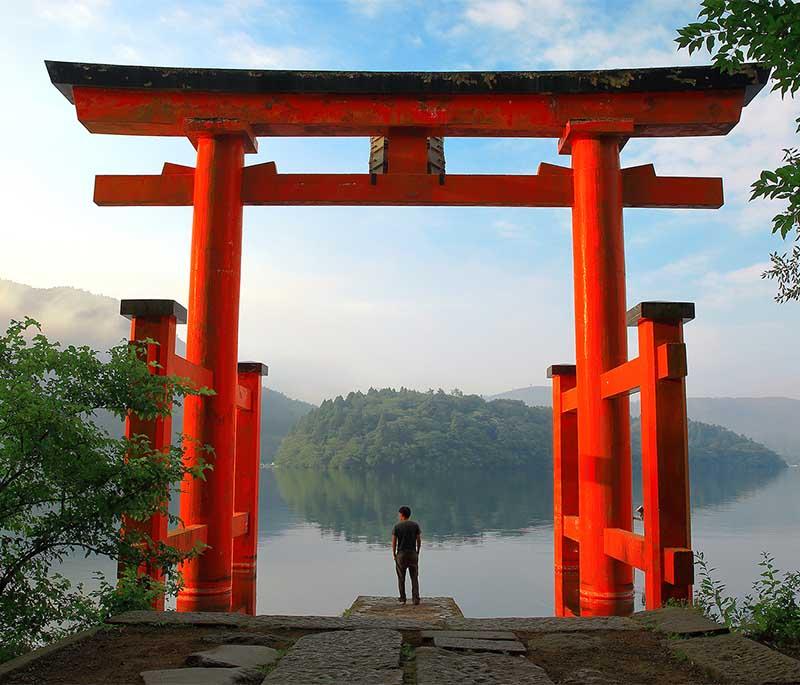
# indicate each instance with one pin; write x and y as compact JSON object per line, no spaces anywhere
{"x":593,"y":114}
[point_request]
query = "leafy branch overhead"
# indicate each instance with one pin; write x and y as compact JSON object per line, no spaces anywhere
{"x":766,"y":31}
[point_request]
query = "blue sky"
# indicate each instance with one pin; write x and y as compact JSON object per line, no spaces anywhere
{"x":341,"y":298}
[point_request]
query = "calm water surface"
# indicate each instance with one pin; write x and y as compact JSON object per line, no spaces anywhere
{"x":324,"y":537}
{"x":487,"y":538}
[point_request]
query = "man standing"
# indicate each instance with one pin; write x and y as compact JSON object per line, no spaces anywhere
{"x":406,"y":541}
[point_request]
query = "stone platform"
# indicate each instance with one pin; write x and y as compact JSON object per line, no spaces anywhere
{"x":379,"y":642}
{"x":437,"y":610}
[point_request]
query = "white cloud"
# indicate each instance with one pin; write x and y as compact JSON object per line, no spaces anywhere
{"x":369,"y":8}
{"x":76,"y":14}
{"x":502,"y":14}
{"x":243,"y":51}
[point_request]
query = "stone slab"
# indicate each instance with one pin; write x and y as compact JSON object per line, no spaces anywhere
{"x":234,"y":656}
{"x":470,"y":634}
{"x":510,"y":646}
{"x":266,"y":622}
{"x":568,"y":643}
{"x":237,"y":637}
{"x":355,"y":657}
{"x":203,"y":676}
{"x":588,"y":676}
{"x":736,"y":659}
{"x":439,"y":666}
{"x":546,"y":624}
{"x":434,"y":610}
{"x":678,"y":621}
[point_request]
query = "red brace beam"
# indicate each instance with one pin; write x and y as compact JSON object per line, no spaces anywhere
{"x":551,"y":187}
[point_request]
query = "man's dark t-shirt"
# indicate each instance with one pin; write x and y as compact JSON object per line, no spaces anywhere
{"x":406,"y":533}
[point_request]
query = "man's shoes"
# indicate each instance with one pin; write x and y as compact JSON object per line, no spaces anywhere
{"x":402,"y":600}
{"x":416,"y":601}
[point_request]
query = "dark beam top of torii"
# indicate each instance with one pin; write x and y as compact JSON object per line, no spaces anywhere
{"x":408,"y":109}
{"x":672,"y":101}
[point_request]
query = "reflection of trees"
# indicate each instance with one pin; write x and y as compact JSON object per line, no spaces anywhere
{"x":711,"y":487}
{"x":362,"y":505}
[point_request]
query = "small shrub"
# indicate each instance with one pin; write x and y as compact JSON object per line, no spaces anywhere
{"x":771,"y":613}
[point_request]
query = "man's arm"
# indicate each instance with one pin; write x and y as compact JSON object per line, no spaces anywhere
{"x":394,"y":545}
{"x":419,"y":540}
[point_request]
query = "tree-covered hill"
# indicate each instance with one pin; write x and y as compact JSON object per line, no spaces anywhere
{"x":389,"y":428}
{"x":393,"y":428}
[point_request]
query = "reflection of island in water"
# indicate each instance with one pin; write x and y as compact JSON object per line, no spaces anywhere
{"x":362,"y":505}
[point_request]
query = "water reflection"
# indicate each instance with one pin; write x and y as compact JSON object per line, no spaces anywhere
{"x":361,"y":506}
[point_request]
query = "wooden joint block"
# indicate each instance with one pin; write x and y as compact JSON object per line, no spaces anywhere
{"x":561,"y":370}
{"x":577,"y":129}
{"x":671,"y":359}
{"x":220,"y":126}
{"x":678,"y":566}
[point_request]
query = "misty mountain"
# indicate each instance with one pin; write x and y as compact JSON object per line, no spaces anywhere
{"x":533,"y":396}
{"x":78,"y":317}
{"x":768,"y":420}
{"x":67,"y":315}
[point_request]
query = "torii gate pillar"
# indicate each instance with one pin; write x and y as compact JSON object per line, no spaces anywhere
{"x":213,"y":343}
{"x":604,"y":463}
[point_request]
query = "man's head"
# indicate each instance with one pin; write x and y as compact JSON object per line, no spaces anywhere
{"x":404,"y":513}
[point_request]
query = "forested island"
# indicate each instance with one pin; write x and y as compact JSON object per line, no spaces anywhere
{"x":390,"y":428}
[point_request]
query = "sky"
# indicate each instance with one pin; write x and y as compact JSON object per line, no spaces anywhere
{"x":337,"y":299}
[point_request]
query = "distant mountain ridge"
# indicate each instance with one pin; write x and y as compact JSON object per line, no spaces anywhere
{"x":77,"y":317}
{"x":772,"y":421}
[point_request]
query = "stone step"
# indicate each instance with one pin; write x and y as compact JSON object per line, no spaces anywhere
{"x":350,"y":657}
{"x":678,"y":621}
{"x":240,"y":638}
{"x":439,"y":666}
{"x":510,"y":646}
{"x":203,"y":676}
{"x":736,"y":659}
{"x":431,"y":610}
{"x":470,"y":634}
{"x":234,"y":656}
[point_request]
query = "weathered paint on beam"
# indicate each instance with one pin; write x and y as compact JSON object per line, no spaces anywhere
{"x":164,"y":113}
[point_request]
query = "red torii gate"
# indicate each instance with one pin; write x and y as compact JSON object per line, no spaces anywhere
{"x":593,"y":114}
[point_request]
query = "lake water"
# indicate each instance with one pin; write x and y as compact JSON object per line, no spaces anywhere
{"x":487,"y":538}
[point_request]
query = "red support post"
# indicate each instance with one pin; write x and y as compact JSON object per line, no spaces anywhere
{"x":212,"y":343}
{"x":153,"y":320}
{"x":248,"y":469}
{"x":606,"y":585}
{"x":665,"y":453}
{"x":565,"y":493}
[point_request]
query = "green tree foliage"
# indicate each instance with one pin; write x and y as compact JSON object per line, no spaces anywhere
{"x":408,"y":428}
{"x":766,"y":31}
{"x":65,"y":483}
{"x":439,"y":431}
